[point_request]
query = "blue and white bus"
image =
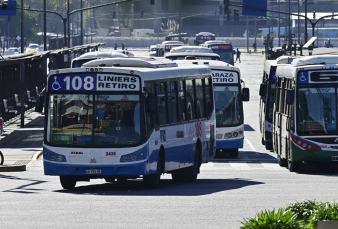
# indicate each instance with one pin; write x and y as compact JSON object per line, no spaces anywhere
{"x":229,"y":96}
{"x":126,"y":118}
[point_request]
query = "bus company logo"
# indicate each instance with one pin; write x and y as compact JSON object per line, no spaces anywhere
{"x":110,"y":153}
{"x":76,"y":152}
{"x":198,"y":128}
{"x":125,"y":98}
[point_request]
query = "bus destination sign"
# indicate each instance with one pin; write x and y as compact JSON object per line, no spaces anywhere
{"x":224,"y":77}
{"x":221,"y":47}
{"x":94,"y":82}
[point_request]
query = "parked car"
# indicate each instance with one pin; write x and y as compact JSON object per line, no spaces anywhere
{"x":32,"y":48}
{"x":15,"y":50}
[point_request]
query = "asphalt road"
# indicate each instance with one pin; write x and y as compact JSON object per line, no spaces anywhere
{"x":227,"y":190}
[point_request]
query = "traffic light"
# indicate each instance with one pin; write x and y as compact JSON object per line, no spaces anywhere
{"x":114,"y":15}
{"x":228,"y":15}
{"x":152,"y":2}
{"x":220,"y":10}
{"x":4,"y":4}
{"x":314,"y":14}
{"x":236,"y":15}
{"x":141,"y":13}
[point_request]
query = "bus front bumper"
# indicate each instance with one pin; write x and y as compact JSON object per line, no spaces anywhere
{"x":230,"y":144}
{"x":97,"y":170}
{"x":313,"y":155}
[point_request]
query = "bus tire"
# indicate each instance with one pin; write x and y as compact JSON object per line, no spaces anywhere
{"x":282,"y":161}
{"x":268,"y":146}
{"x":233,"y":153}
{"x":192,"y":172}
{"x":263,"y":142}
{"x":294,"y":166}
{"x":152,"y":181}
{"x":178,"y":175}
{"x":67,"y":182}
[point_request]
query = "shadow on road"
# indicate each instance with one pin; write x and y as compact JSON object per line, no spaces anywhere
{"x":167,"y":188}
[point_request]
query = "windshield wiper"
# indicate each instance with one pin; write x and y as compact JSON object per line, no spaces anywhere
{"x":324,"y":102}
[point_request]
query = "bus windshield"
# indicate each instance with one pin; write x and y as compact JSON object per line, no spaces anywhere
{"x":316,"y":111}
{"x":227,"y":106}
{"x":224,"y":51}
{"x":96,"y":120}
{"x":78,"y":63}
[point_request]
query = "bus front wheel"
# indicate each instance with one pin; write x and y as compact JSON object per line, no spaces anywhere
{"x":293,"y":166}
{"x":67,"y":182}
{"x":153,"y":180}
{"x":192,"y":172}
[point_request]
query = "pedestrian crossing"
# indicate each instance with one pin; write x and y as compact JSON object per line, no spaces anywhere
{"x":242,"y":165}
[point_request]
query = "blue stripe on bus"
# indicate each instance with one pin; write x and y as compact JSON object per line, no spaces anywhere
{"x":230,"y":144}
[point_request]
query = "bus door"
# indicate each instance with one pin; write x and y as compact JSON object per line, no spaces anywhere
{"x":278,"y":114}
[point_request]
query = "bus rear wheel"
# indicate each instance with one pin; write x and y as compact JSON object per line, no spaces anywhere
{"x":153,"y":180}
{"x":67,"y":182}
{"x":192,"y":172}
{"x":178,"y":175}
{"x":282,"y":161}
{"x":294,"y":166}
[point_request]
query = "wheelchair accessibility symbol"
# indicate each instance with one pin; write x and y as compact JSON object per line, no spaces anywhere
{"x":55,"y":85}
{"x":302,"y":77}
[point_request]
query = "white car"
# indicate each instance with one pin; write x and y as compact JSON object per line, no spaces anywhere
{"x":32,"y":48}
{"x":153,"y":50}
{"x":15,"y":50}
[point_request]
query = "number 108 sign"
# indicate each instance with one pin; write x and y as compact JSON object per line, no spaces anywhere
{"x":93,"y":82}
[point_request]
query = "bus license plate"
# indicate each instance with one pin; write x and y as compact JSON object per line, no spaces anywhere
{"x":93,"y":171}
{"x":334,"y":158}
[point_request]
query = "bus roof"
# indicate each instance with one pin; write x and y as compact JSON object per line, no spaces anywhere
{"x":205,"y":34}
{"x":192,"y":54}
{"x":159,"y":62}
{"x":109,"y":54}
{"x":199,"y":49}
{"x":215,"y":42}
{"x":172,"y":42}
{"x":282,"y":60}
{"x":213,"y":64}
{"x":307,"y":63}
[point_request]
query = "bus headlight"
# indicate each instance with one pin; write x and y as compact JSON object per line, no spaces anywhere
{"x":134,"y":156}
{"x":59,"y":158}
{"x":299,"y":142}
{"x":309,"y":146}
{"x":235,"y":134}
{"x":127,"y":158}
{"x":304,"y":144}
{"x":52,"y":156}
{"x":229,"y":135}
{"x":142,"y":154}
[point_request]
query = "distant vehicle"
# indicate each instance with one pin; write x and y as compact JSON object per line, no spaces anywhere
{"x":153,"y":50}
{"x":15,"y":50}
{"x":79,"y":61}
{"x":166,"y":46}
{"x":202,"y":37}
{"x":223,"y":49}
{"x":32,"y":48}
{"x":192,"y":52}
{"x":111,"y":34}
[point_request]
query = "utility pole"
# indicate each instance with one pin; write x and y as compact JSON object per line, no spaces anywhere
{"x":22,"y":73}
{"x":180,"y":19}
{"x":247,"y":34}
{"x":305,"y":33}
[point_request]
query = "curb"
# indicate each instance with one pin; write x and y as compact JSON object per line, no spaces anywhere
{"x":20,"y":168}
{"x":12,"y":168}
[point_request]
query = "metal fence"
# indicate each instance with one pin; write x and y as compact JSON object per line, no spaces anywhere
{"x":23,"y":76}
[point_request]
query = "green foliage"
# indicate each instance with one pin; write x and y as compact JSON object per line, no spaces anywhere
{"x":302,"y":209}
{"x":324,"y":211}
{"x":267,"y":219}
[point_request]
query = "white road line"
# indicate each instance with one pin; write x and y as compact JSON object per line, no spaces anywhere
{"x":251,"y":146}
{"x":238,"y":164}
{"x":209,"y":164}
{"x":270,"y":165}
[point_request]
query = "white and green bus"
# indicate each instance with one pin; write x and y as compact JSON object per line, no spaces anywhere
{"x":305,"y":111}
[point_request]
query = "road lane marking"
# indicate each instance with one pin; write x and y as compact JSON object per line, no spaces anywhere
{"x":251,"y":146}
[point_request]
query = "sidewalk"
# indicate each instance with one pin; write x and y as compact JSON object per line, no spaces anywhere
{"x":22,"y":146}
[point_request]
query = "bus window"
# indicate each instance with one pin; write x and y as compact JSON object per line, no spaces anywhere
{"x":199,"y":98}
{"x":316,"y":111}
{"x":172,"y":104}
{"x":70,"y":118}
{"x":190,"y":99}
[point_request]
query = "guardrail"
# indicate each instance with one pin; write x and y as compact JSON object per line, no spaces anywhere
{"x":16,"y":84}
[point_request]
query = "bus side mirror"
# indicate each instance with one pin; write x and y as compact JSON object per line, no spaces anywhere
{"x":245,"y":94}
{"x":262,"y":89}
{"x":289,"y":97}
{"x":151,"y":104}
